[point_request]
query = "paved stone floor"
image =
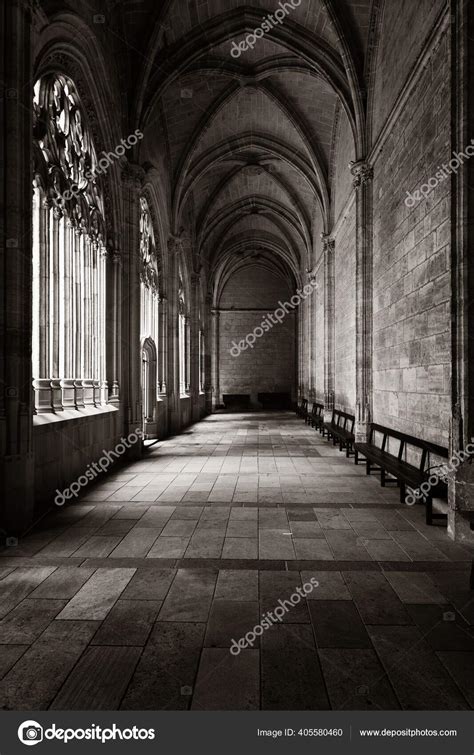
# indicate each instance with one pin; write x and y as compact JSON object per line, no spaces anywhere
{"x":130,"y":598}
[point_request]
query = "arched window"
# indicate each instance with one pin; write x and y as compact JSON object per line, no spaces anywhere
{"x":68,"y":347}
{"x":183,"y":337}
{"x":149,"y":299}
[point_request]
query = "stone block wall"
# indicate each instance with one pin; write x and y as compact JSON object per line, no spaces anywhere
{"x":411,"y":264}
{"x":269,"y":366}
{"x":344,"y":312}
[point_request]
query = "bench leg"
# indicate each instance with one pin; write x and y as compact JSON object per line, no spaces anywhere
{"x":402,"y":492}
{"x":429,"y":510}
{"x":367,"y":468}
{"x":382,"y":477}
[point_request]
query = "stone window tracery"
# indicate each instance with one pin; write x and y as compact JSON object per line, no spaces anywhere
{"x":149,"y":317}
{"x":69,"y":253}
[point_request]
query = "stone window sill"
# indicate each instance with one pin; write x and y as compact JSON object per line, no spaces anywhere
{"x":71,"y":415}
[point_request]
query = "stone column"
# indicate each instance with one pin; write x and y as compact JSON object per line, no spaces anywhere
{"x":329,"y":314}
{"x":16,"y":394}
{"x":461,"y":479}
{"x":174,"y":411}
{"x":132,"y":177}
{"x":216,"y":400}
{"x":194,"y":346}
{"x":163,"y":343}
{"x":362,"y":180}
{"x":113,"y":316}
{"x":208,"y":335}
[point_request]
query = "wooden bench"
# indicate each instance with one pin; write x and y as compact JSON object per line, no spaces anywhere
{"x":302,"y":409}
{"x":237,"y":402}
{"x":341,"y":430}
{"x":316,"y":417}
{"x":406,"y":474}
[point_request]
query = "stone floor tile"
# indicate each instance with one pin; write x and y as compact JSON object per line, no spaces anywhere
{"x":168,"y":547}
{"x":238,"y":585}
{"x":461,"y":669}
{"x":275,"y":544}
{"x":205,"y":544}
{"x":331,"y":585}
{"x":375,"y":599}
{"x":137,"y":543}
{"x":63,"y":583}
{"x":276,"y":586}
{"x":227,"y":682}
{"x":190,"y":596}
{"x":179,"y":528}
{"x":99,"y":680}
{"x":95,"y":599}
{"x":151,"y":583}
{"x":9,"y":655}
{"x":418,"y":677}
{"x":98,"y":547}
{"x":229,"y":621}
{"x":312,"y":548}
{"x":34,"y":681}
{"x":355,"y":680}
{"x":128,"y":623}
{"x":347,"y":546}
{"x":240,"y":547}
{"x":415,"y":587}
{"x":337,"y":624}
{"x":165,"y":676}
{"x":24,"y":624}
{"x":291,"y":672}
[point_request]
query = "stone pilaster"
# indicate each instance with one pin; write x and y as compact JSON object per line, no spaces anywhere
{"x":216,"y":400}
{"x":329,"y":323}
{"x":461,"y":480}
{"x":16,"y":394}
{"x":163,"y":344}
{"x":174,"y":413}
{"x":194,"y":346}
{"x":362,"y":173}
{"x":113,"y":325}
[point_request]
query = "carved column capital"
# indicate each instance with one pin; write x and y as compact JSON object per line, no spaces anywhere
{"x":362,"y":172}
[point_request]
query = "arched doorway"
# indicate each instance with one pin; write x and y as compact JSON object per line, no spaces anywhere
{"x":149,"y":361}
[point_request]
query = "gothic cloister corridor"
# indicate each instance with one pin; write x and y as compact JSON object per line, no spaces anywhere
{"x":130,"y":597}
{"x":236,"y":370}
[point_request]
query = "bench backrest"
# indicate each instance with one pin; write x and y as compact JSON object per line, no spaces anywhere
{"x":317,"y":409}
{"x":343,"y":419}
{"x":426,"y":447}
